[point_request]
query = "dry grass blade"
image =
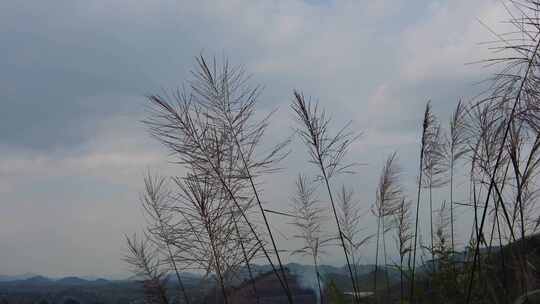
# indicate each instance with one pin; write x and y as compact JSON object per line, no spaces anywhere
{"x":146,"y":264}
{"x":388,"y":196}
{"x":514,"y":90}
{"x":350,"y":217}
{"x":389,"y":192}
{"x":155,"y":202}
{"x":456,"y":147}
{"x":426,"y":126}
{"x":404,"y":236}
{"x":434,"y":166}
{"x":213,"y":132}
{"x":308,"y":222}
{"x":229,"y":102}
{"x":327,"y":152}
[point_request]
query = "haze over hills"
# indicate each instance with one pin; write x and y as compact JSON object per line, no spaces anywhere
{"x":32,"y":288}
{"x":5,"y":278}
{"x":300,"y":270}
{"x":295,"y":268}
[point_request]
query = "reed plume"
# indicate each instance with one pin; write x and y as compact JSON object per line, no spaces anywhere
{"x":327,"y":152}
{"x":388,"y":197}
{"x":308,"y":221}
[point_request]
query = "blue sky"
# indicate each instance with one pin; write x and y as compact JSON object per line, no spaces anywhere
{"x":73,"y":75}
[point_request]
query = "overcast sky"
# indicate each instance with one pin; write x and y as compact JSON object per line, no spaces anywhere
{"x":73,"y":75}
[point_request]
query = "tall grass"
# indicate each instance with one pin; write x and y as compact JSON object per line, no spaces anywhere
{"x":388,"y":197}
{"x":456,"y":149}
{"x":351,"y":218}
{"x":404,"y":237}
{"x":212,"y":132}
{"x":490,"y":148}
{"x":513,"y":93}
{"x":326,"y":151}
{"x":308,"y":221}
{"x":427,"y":125}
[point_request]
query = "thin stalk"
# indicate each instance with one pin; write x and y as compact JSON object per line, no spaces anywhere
{"x":151,"y":207}
{"x":431,"y":227}
{"x":401,"y":279}
{"x":175,"y":267}
{"x":385,"y":257}
{"x":376,"y":257}
{"x":258,"y":200}
{"x":246,"y":259}
{"x":497,"y":163}
{"x":236,"y":203}
{"x":218,"y":266}
{"x":263,"y":213}
{"x":418,"y":195}
{"x":317,"y":273}
{"x":327,"y":183}
{"x":322,"y":147}
{"x":503,"y":264}
{"x":452,"y":203}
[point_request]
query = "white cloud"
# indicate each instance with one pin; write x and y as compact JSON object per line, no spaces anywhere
{"x":347,"y":53}
{"x":68,"y":210}
{"x":119,"y":149}
{"x":442,"y":44}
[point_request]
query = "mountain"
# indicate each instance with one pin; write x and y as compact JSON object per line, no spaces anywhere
{"x":36,"y":280}
{"x":185,"y":276}
{"x":269,"y":290}
{"x":299,"y":269}
{"x":366,"y":280}
{"x":9,"y":278}
{"x":39,"y":289}
{"x":101,"y":281}
{"x":72,"y":281}
{"x":188,"y":279}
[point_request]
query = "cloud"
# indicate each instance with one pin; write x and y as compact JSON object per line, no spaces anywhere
{"x":74,"y":74}
{"x":67,"y":210}
{"x":450,"y":38}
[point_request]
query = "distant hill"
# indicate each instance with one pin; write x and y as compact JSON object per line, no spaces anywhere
{"x":365,"y":281}
{"x":8,"y":278}
{"x":31,"y":288}
{"x":257,"y":269}
{"x":268,"y":289}
{"x":101,"y":281}
{"x":37,"y":280}
{"x":72,"y":281}
{"x":42,"y":280}
{"x":184,"y":276}
{"x":37,"y":288}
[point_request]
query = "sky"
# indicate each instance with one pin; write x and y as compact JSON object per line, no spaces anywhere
{"x":73,"y":76}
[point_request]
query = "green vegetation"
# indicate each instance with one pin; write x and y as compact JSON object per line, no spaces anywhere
{"x":335,"y":295}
